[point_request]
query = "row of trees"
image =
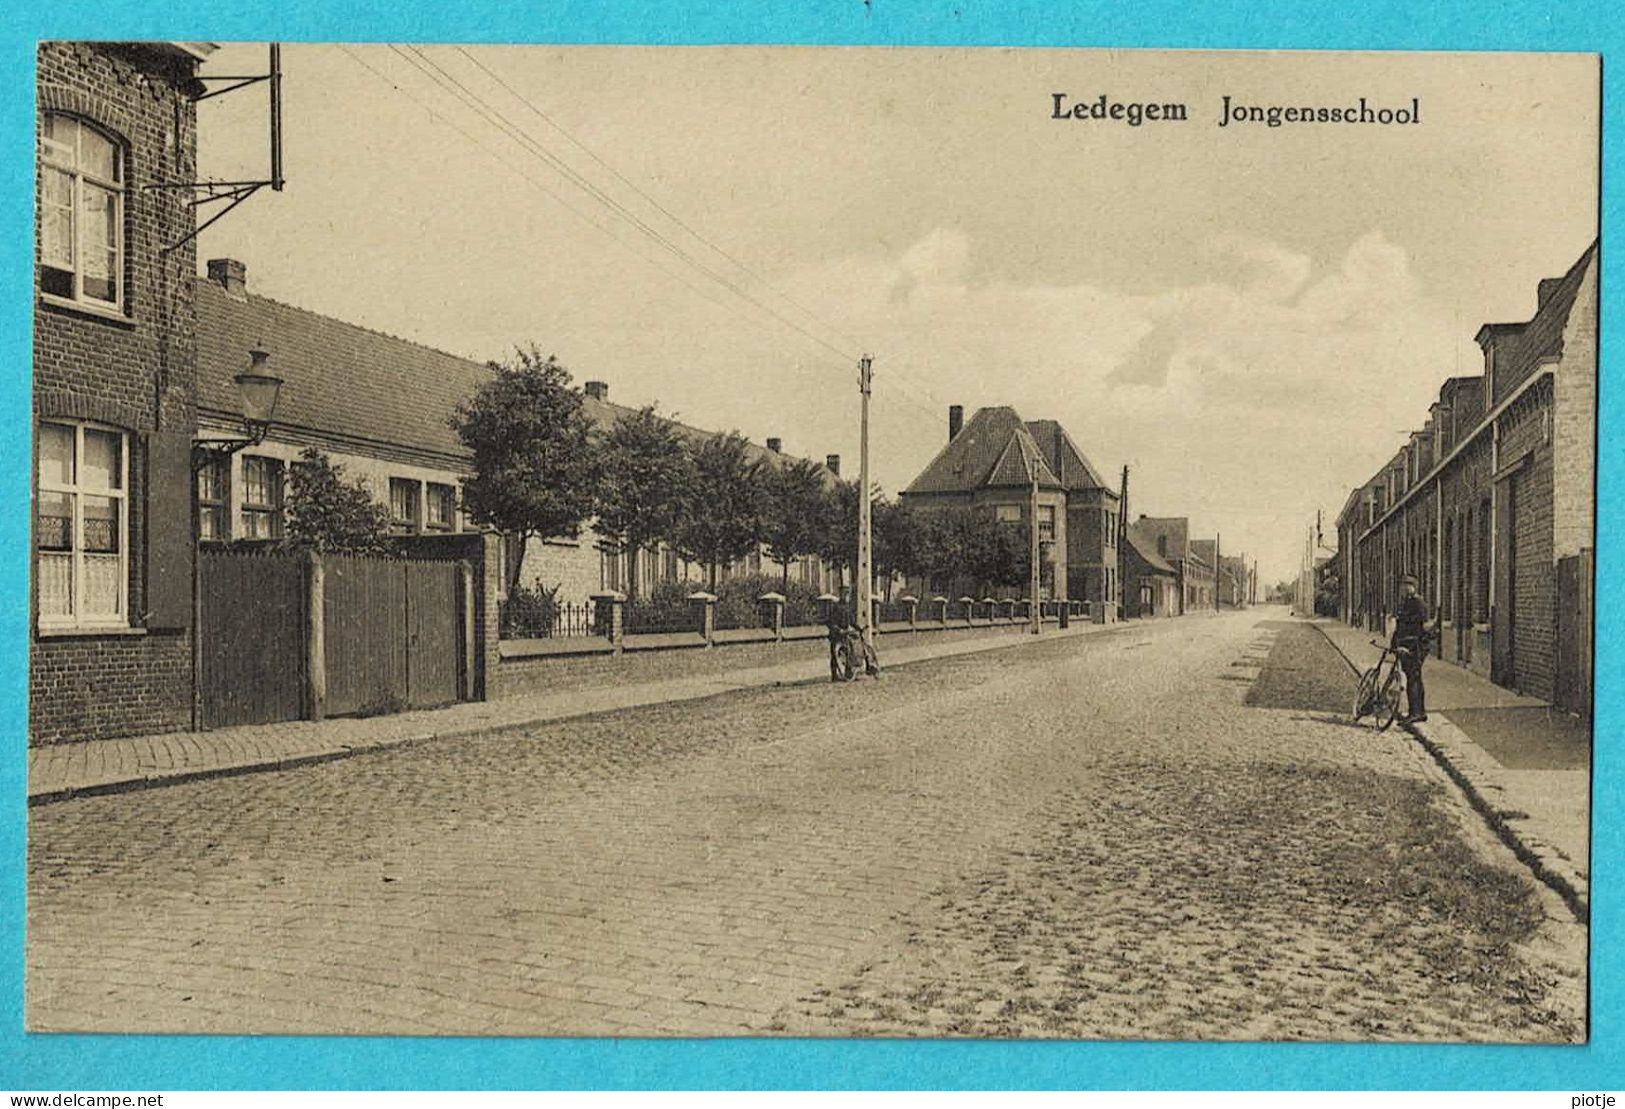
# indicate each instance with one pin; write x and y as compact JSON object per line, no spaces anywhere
{"x":543,"y":470}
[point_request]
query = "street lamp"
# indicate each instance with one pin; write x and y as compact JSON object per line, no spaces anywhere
{"x":257,"y":390}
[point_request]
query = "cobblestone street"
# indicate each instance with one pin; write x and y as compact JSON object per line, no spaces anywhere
{"x":1119,"y":835}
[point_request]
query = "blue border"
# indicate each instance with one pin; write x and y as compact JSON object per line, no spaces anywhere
{"x":83,"y":1062}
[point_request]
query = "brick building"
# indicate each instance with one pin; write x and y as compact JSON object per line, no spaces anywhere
{"x":1490,"y":504}
{"x":113,"y":394}
{"x":1151,"y":583}
{"x":1169,"y":537}
{"x":1235,"y":581}
{"x":378,"y":406}
{"x":989,"y":464}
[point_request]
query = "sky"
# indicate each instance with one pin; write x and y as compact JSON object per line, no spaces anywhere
{"x":1249,"y":318}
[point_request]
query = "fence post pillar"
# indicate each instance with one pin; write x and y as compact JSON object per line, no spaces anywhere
{"x":705,"y":605}
{"x":608,"y":615}
{"x":940,"y":603}
{"x":913,"y":604}
{"x":970,"y":608}
{"x":826,"y":606}
{"x":315,"y":642}
{"x":775,"y":615}
{"x":465,"y":582}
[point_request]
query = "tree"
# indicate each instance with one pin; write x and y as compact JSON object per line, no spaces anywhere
{"x":794,"y":511}
{"x":962,"y":547}
{"x":535,"y":463}
{"x":720,"y":517}
{"x":895,"y":538}
{"x":837,"y":541}
{"x":646,"y":473}
{"x":326,"y":513}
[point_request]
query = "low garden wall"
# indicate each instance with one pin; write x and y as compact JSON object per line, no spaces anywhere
{"x":554,"y":665}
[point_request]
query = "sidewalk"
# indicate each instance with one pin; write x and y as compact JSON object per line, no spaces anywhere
{"x":1524,"y":764}
{"x":66,"y":770}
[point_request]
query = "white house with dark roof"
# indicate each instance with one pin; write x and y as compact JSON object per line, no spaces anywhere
{"x":379,"y":406}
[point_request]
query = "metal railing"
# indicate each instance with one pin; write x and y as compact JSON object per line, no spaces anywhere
{"x":569,"y":620}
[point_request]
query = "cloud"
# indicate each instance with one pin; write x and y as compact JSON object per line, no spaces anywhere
{"x":1266,"y":386}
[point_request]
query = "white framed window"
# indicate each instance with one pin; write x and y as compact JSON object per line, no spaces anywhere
{"x":441,"y":508}
{"x":81,"y":213}
{"x":403,"y":505}
{"x":82,"y":524}
{"x":1046,"y":521}
{"x":213,"y":488}
{"x":262,"y":497}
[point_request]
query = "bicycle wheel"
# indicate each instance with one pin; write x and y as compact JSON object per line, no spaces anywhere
{"x":1388,"y":699}
{"x":844,"y":669}
{"x":1364,"y":694}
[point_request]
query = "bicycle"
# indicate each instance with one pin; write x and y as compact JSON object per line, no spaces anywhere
{"x":1382,"y":687}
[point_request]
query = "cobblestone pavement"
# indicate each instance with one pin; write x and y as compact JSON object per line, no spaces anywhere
{"x":1087,"y":837}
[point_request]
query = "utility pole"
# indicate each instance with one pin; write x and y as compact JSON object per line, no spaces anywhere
{"x":1034,"y":610}
{"x":865,"y":583}
{"x":1122,"y":541}
{"x":1218,"y":571}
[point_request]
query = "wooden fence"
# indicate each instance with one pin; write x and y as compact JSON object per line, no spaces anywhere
{"x":252,"y":631}
{"x":290,"y":637}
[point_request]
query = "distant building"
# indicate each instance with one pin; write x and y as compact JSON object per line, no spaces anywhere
{"x":1489,"y":505}
{"x":1152,"y":582}
{"x":1169,"y":537}
{"x":989,"y":464}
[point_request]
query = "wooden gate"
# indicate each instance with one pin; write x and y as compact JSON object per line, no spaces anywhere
{"x":1574,"y":610}
{"x":251,"y":641}
{"x":392,"y":634}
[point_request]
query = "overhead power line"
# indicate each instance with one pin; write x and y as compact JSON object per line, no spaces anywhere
{"x":659,"y":207}
{"x":492,"y":117}
{"x":481,"y":107}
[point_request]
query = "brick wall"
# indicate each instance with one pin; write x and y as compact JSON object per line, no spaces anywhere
{"x":103,"y":686}
{"x":1574,"y":426}
{"x":135,"y":371}
{"x":555,"y":673}
{"x":1525,"y":429}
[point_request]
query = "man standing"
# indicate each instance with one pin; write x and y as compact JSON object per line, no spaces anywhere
{"x":1410,"y":633}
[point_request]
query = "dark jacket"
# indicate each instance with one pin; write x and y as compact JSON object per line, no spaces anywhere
{"x":1410,"y":623}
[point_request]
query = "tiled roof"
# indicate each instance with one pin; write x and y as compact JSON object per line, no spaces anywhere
{"x":990,"y":451}
{"x":338,"y":378}
{"x":1520,"y":346}
{"x":355,"y":383}
{"x":1069,"y":464}
{"x":1145,"y":546}
{"x":1205,"y":551}
{"x":1176,"y":528}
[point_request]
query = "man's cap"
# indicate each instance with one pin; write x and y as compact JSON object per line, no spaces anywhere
{"x":1407,"y":579}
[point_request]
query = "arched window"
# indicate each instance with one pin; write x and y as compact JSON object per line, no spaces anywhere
{"x":81,"y":212}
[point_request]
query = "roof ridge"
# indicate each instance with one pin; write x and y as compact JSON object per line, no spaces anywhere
{"x":485,"y":365}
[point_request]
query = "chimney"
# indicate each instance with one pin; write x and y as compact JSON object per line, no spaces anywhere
{"x":832,"y":463}
{"x":775,"y":445}
{"x":597,"y":390}
{"x":231,"y":275}
{"x":956,"y":420}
